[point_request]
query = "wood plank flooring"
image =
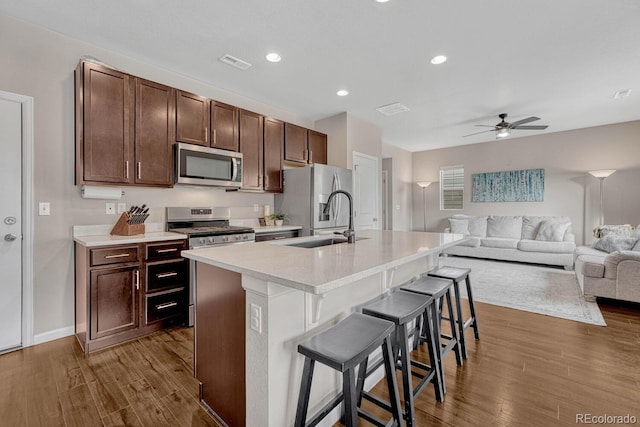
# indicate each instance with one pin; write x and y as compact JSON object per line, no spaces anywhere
{"x":527,"y":370}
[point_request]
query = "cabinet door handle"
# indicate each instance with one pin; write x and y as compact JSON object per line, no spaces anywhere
{"x":310,"y":156}
{"x":166,"y":305}
{"x":137,"y":280}
{"x":117,"y":256}
{"x":139,"y":170}
{"x":126,"y":169}
{"x":206,"y":134}
{"x":165,"y":275}
{"x":266,"y":181}
{"x":164,"y":251}
{"x":304,"y":154}
{"x":215,"y":140}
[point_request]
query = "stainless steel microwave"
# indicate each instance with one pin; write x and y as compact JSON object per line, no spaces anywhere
{"x":197,"y":165}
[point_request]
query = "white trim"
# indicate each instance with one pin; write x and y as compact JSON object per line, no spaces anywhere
{"x":27,"y":213}
{"x":53,"y":335}
{"x":378,"y":182}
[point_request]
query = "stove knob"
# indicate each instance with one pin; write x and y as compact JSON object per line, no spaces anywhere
{"x":225,"y":239}
{"x":202,"y":241}
{"x":245,"y":237}
{"x":210,"y":240}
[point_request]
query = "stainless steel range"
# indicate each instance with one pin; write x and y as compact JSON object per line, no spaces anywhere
{"x":206,"y":227}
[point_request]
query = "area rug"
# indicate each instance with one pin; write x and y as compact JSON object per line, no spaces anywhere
{"x":538,"y":289}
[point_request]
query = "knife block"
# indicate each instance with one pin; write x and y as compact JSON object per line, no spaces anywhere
{"x":123,"y":228}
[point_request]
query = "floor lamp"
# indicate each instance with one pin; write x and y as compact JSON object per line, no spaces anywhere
{"x":602,"y":175}
{"x":424,"y":185}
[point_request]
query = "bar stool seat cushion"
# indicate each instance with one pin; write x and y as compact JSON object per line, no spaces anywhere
{"x":343,"y":346}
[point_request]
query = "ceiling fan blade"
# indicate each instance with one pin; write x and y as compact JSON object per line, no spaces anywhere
{"x":523,"y":121}
{"x":539,"y":127}
{"x":477,"y":133}
{"x":486,"y":126}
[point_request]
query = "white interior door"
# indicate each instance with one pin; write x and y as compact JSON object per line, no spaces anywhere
{"x":10,"y":224}
{"x":366,"y":191}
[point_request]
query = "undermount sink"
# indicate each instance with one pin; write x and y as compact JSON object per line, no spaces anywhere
{"x":322,"y":242}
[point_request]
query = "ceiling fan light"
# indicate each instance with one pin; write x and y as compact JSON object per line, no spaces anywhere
{"x":503,"y":133}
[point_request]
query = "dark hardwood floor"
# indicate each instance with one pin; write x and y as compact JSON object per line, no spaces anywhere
{"x":527,"y":370}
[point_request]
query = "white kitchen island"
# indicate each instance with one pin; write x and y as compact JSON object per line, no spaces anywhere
{"x":290,"y":293}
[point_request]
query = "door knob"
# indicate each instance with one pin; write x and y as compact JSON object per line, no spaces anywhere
{"x":10,"y":237}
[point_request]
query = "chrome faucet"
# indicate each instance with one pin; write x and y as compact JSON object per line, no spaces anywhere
{"x":350,"y":233}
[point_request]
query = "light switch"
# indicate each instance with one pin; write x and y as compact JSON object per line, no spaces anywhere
{"x":397,"y":207}
{"x":44,"y":208}
{"x":122,"y":207}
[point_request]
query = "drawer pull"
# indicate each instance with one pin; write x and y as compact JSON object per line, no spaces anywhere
{"x":164,"y":251}
{"x":165,"y":275}
{"x":117,"y":256}
{"x":166,"y":305}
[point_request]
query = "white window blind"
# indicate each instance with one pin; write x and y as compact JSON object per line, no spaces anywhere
{"x":451,"y":187}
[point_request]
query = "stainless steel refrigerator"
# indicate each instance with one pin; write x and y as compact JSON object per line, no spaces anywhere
{"x":306,"y":191}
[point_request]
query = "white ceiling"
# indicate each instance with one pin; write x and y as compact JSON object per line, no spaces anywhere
{"x":560,"y":60}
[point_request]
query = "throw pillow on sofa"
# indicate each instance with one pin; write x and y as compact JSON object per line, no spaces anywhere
{"x":613,"y":243}
{"x":552,"y":230}
{"x":459,"y":226}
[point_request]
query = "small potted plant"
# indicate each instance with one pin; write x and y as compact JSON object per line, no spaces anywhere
{"x":279,"y":218}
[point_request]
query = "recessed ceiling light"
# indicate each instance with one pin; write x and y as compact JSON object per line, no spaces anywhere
{"x":273,"y":57}
{"x":382,"y":1}
{"x":438,"y":59}
{"x":342,"y":92}
{"x":622,"y":93}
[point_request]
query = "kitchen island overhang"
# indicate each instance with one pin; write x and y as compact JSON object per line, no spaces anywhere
{"x":290,"y":293}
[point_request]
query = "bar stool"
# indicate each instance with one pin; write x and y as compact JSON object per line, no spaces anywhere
{"x":440,"y":290}
{"x":457,"y":275}
{"x":343,"y":347}
{"x":401,"y":308}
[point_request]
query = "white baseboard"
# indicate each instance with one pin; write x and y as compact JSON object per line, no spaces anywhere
{"x":53,"y":335}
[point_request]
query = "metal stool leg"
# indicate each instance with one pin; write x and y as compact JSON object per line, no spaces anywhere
{"x":459,"y":319}
{"x":349,"y":393}
{"x":392,"y":383}
{"x":409,"y":409}
{"x":305,"y":391}
{"x":433,"y":343}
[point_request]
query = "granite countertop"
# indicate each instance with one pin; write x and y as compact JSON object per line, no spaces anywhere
{"x":322,"y":269}
{"x":98,"y":235}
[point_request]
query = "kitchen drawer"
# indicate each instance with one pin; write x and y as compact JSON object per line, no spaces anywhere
{"x":165,"y":250}
{"x":111,"y":255}
{"x":166,"y":305}
{"x":166,"y":275}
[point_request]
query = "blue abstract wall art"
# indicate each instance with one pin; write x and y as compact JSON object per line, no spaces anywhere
{"x":509,"y":186}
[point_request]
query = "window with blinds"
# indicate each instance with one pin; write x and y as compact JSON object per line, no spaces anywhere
{"x":451,"y":187}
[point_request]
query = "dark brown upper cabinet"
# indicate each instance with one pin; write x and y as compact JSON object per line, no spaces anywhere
{"x":251,"y":147}
{"x":224,"y":126}
{"x":317,"y":145}
{"x":295,"y":143}
{"x":273,"y":154}
{"x":192,"y":118}
{"x":304,"y":146}
{"x":104,"y":125}
{"x":154,"y":133}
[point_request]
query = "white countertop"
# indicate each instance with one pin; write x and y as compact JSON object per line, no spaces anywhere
{"x":319,"y":270}
{"x":98,"y":235}
{"x":275,"y":228}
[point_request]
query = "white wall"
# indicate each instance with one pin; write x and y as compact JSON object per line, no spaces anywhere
{"x":39,"y":63}
{"x":401,"y":186}
{"x":569,"y":189}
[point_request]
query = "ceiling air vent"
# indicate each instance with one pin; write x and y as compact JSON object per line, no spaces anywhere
{"x":235,"y":62}
{"x":392,"y":109}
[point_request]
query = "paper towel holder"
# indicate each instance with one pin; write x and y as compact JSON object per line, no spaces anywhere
{"x":105,"y":193}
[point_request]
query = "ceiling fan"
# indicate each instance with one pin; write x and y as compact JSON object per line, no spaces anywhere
{"x":503,"y":129}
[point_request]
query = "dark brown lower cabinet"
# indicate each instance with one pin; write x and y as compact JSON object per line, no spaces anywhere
{"x":126,"y":291}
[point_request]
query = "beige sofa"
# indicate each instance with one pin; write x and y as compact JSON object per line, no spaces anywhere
{"x":533,"y":239}
{"x":613,"y":275}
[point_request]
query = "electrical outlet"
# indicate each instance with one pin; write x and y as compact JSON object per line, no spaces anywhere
{"x":122,"y":207}
{"x":44,"y":208}
{"x":256,"y":318}
{"x":110,"y":208}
